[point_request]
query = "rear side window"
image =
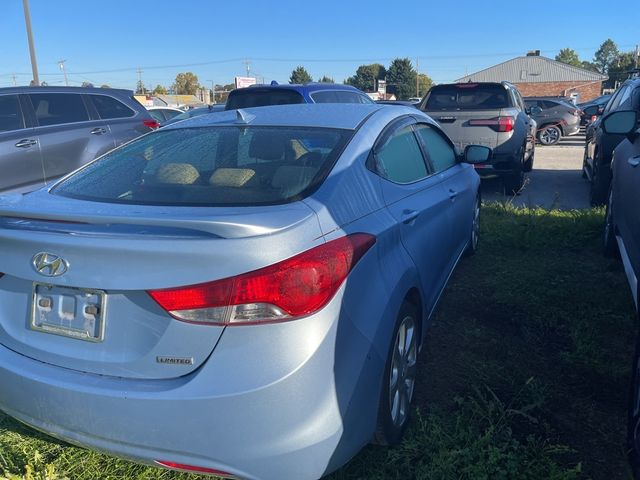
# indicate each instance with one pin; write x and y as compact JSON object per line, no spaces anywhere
{"x":400,"y":158}
{"x":58,"y":108}
{"x":211,"y":166}
{"x":467,"y":96}
{"x":441,"y":153}
{"x":339,"y":96}
{"x":255,"y":97}
{"x":109,"y":107}
{"x":10,"y":113}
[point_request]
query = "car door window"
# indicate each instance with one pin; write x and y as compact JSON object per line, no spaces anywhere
{"x":109,"y":107}
{"x":400,"y":159}
{"x":58,"y":108}
{"x":10,"y":113}
{"x":441,"y":153}
{"x":624,"y":103}
{"x":615,"y":101}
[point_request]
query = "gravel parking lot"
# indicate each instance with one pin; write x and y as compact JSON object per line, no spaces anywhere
{"x":555,"y":182}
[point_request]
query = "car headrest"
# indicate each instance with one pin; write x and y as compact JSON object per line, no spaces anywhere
{"x":177,"y":173}
{"x":233,"y":177}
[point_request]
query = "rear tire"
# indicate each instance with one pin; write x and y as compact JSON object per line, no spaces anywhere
{"x":599,"y":183}
{"x":514,"y":182}
{"x":399,"y":378}
{"x":472,"y":247}
{"x":633,"y":414}
{"x":549,"y":135}
{"x":528,"y":165}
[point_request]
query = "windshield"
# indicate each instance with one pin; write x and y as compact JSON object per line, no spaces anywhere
{"x":211,"y":166}
{"x":467,"y":96}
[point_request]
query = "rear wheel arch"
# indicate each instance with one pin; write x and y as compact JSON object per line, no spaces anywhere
{"x":414,"y":297}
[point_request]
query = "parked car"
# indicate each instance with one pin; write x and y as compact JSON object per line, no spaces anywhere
{"x":404,"y":103}
{"x":622,"y":237}
{"x":162,"y":114}
{"x":490,"y":114}
{"x":555,"y":119}
{"x":600,"y":145}
{"x":46,"y":132}
{"x":591,"y":108}
{"x":255,"y":285}
{"x":274,"y":94}
{"x":195,"y":112}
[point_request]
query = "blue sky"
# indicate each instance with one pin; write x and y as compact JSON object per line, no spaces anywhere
{"x":211,"y":39}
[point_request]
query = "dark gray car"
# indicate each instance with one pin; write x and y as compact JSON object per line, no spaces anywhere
{"x":46,"y":132}
{"x":556,"y":118}
{"x":489,"y":114}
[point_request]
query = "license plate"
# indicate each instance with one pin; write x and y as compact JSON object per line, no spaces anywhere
{"x":71,"y":312}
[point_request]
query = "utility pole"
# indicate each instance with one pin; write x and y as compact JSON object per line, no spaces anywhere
{"x":14,"y":79}
{"x":417,"y":77}
{"x":140,"y":81}
{"x":32,"y":48}
{"x":61,"y":63}
{"x":247,"y":63}
{"x":213,"y":91}
{"x":637,"y":55}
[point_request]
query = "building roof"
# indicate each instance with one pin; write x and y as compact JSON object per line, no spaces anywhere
{"x":533,"y":69}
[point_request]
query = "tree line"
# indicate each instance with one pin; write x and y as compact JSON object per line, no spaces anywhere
{"x":608,"y":60}
{"x":400,"y":79}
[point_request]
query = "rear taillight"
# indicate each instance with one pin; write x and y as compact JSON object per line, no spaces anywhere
{"x":286,"y":290}
{"x":151,"y":123}
{"x":575,"y":112}
{"x":499,"y":124}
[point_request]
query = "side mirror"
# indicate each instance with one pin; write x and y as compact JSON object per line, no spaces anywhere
{"x":592,"y":110}
{"x":624,"y":122}
{"x":600,"y":110}
{"x":476,"y":154}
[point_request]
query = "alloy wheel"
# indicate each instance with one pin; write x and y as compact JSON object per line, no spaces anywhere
{"x":550,"y":135}
{"x":402,"y":374}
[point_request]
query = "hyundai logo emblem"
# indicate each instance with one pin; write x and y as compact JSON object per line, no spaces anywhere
{"x":49,"y":265}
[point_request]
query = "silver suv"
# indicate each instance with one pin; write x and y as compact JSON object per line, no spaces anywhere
{"x":489,"y":114}
{"x":46,"y":132}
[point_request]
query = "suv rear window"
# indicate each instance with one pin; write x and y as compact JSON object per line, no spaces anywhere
{"x":109,"y":107}
{"x":467,"y":96}
{"x":256,"y":97}
{"x":339,"y":96}
{"x":211,"y":166}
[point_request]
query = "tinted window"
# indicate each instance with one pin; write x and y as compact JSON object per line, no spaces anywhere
{"x":10,"y":114}
{"x":256,"y":97}
{"x":615,"y":101}
{"x":157,"y":115}
{"x":339,"y":96}
{"x":400,"y":159}
{"x":57,"y":108}
{"x":441,"y":154}
{"x":212,"y":166}
{"x":467,"y":96}
{"x":109,"y":107}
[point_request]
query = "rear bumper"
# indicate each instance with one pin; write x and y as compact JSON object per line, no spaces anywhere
{"x":572,"y":129}
{"x":501,"y":164}
{"x":256,"y":409}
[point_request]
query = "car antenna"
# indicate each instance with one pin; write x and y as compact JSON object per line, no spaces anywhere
{"x":243,"y":117}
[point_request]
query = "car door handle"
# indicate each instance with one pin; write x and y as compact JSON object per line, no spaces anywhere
{"x":408,"y":216}
{"x":634,"y":161}
{"x":98,"y":131}
{"x":26,"y":143}
{"x":452,"y":193}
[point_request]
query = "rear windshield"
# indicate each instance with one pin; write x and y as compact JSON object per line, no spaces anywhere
{"x":254,"y":97}
{"x":467,"y":96}
{"x":211,"y":166}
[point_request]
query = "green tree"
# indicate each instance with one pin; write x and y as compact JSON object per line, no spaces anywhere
{"x":401,"y":78}
{"x":186,"y":84}
{"x":300,"y":75}
{"x":424,"y":84}
{"x":620,"y":68}
{"x":326,"y":79}
{"x":589,"y":66}
{"x":569,"y":56}
{"x":159,"y":90}
{"x":104,"y":85}
{"x":222,"y":92}
{"x":366,"y":76}
{"x":87,"y":84}
{"x":606,"y":55}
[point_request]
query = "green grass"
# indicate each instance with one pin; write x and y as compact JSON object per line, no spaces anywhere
{"x":523,"y":376}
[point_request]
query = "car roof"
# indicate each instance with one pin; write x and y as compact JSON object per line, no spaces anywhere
{"x":47,"y":89}
{"x":326,"y":115}
{"x":305,"y":87}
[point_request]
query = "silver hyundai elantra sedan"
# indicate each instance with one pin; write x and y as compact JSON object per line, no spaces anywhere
{"x":241,"y":294}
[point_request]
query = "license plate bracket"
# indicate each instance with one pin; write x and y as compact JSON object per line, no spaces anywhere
{"x":67,"y":311}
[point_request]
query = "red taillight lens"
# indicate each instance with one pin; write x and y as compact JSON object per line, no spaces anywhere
{"x":290,"y":289}
{"x":499,"y":124}
{"x":151,"y":123}
{"x":191,"y":468}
